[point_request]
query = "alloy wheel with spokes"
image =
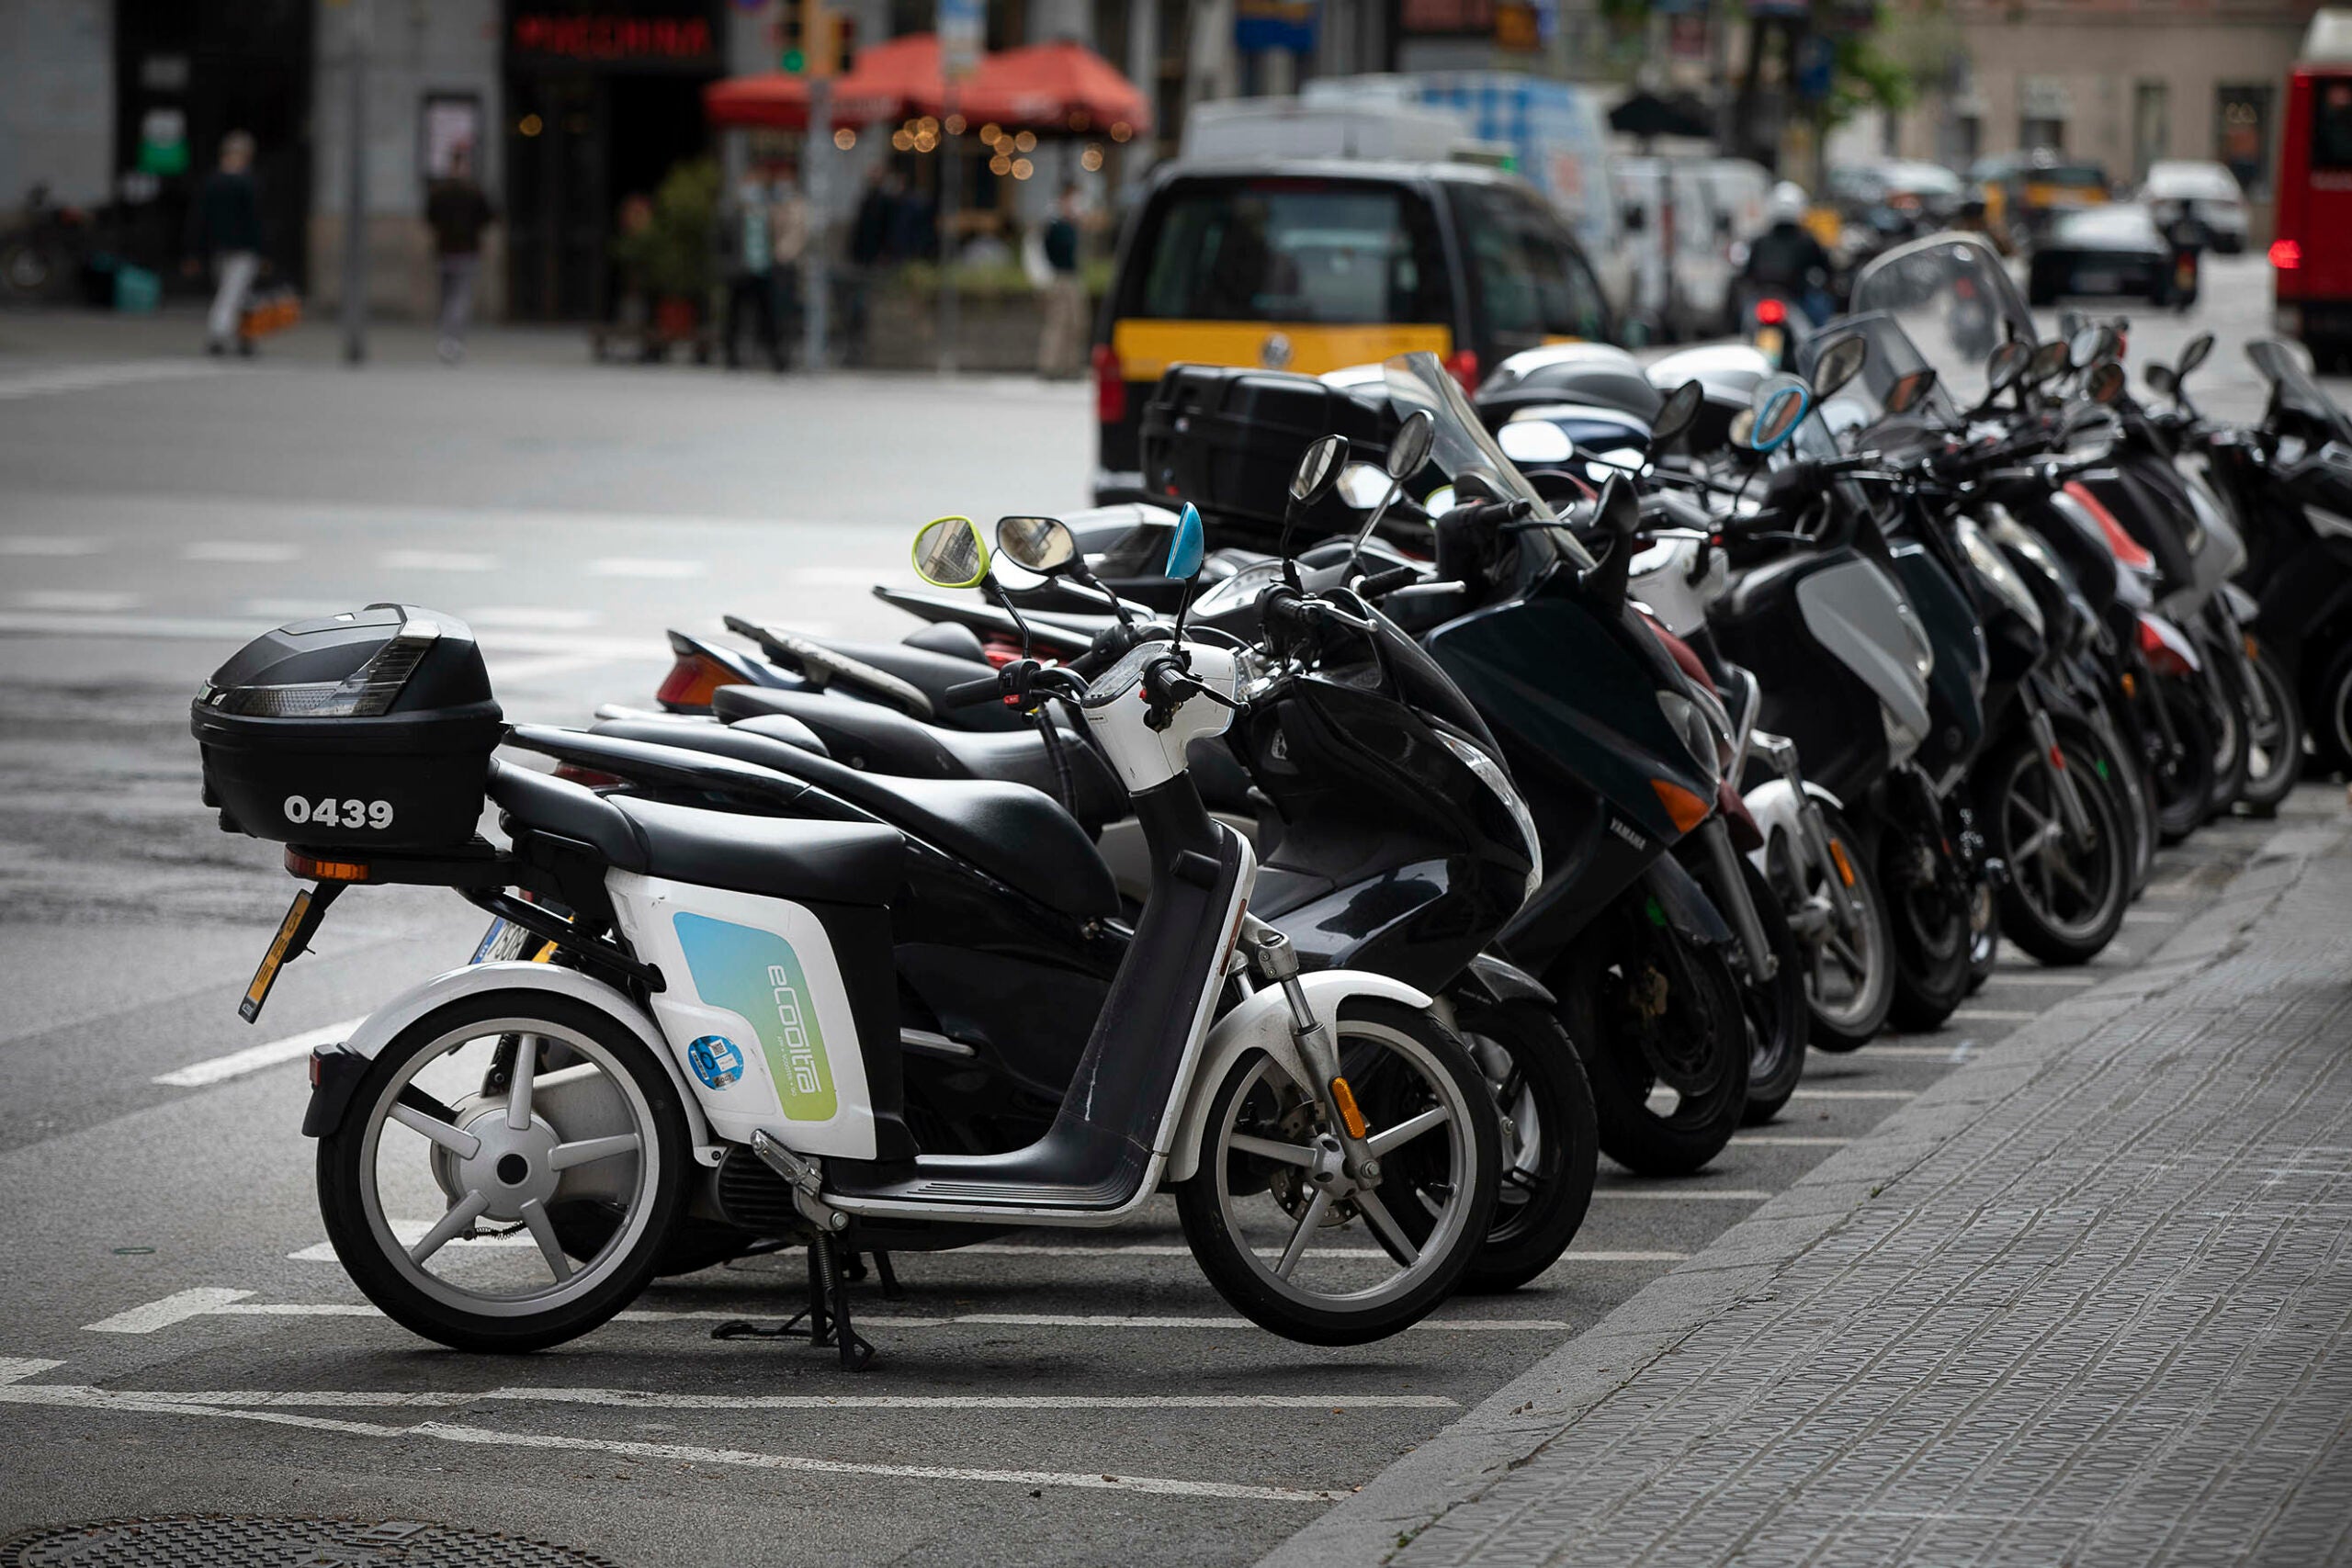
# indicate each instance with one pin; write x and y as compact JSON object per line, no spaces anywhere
{"x":1849,"y":977}
{"x":1310,"y":1251}
{"x":2066,"y":890}
{"x":515,"y":1219}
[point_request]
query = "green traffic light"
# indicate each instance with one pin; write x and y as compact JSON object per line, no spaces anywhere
{"x":795,"y":62}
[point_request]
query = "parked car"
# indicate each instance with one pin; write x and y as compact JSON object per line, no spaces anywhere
{"x":2025,"y":192}
{"x":2207,"y":192}
{"x":1313,"y":264}
{"x":1917,"y":189}
{"x":2112,"y":250}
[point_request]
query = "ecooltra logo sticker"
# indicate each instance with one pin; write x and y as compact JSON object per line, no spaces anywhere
{"x":755,"y":972}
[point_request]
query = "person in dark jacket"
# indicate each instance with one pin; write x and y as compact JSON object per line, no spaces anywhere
{"x":1061,"y":347}
{"x":1786,"y":258}
{"x":458,"y":212}
{"x":224,"y":231}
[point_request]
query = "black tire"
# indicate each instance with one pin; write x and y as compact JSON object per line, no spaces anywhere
{"x":1932,"y":933}
{"x":2184,"y":781}
{"x":1779,"y":1016}
{"x":608,"y":1283}
{"x":1696,"y":1034}
{"x":1226,"y":1255}
{"x":2226,"y":712}
{"x":2277,"y":733}
{"x":2328,"y":711}
{"x":1550,"y":1151}
{"x":2064,"y":902}
{"x":2093,"y":744}
{"x":1851,"y":1027}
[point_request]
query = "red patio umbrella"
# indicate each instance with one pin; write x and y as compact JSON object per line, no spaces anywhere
{"x":1061,"y":86}
{"x":887,"y":81}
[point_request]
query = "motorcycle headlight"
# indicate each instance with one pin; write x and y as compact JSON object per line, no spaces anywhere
{"x":1994,"y":567}
{"x":1699,"y":736}
{"x":1490,"y":773}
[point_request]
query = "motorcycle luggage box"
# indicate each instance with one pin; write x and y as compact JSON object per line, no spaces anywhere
{"x":1227,"y":439}
{"x":370,"y":728}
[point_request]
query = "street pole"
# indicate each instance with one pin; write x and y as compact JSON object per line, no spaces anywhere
{"x":354,"y":191}
{"x":812,"y":186}
{"x":949,"y":180}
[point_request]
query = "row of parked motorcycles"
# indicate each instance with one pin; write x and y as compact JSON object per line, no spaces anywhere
{"x":1355,"y":850}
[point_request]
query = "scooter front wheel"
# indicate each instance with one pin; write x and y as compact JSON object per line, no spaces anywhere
{"x":485,"y":1198}
{"x":1549,"y":1153}
{"x":1851,"y":980}
{"x":2274,"y":726}
{"x":1271,"y":1213}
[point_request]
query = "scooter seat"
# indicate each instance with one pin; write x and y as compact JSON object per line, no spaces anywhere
{"x":877,"y":739}
{"x":1012,"y":832}
{"x":788,"y":857}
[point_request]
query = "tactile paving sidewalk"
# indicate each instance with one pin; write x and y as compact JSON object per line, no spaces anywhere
{"x":2097,"y":1315}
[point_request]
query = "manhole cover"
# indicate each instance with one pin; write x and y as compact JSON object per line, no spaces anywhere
{"x":198,"y":1541}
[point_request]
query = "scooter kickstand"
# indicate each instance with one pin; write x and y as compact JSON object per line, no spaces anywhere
{"x":827,"y":1315}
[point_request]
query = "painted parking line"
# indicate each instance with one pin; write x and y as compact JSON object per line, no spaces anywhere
{"x":1788,"y":1141}
{"x":242,"y":552}
{"x":528,"y":617}
{"x":15,"y":1369}
{"x":436,"y":561}
{"x":646,"y":567}
{"x":208,"y":1302}
{"x":96,"y":377}
{"x":91,"y":601}
{"x":48,"y":545}
{"x":254,"y":1059}
{"x":81,"y":1397}
{"x":651,"y":1399}
{"x":1959,"y":1053}
{"x":2151,"y":917}
{"x":1678,"y":1194}
{"x":1993,"y":1015}
{"x":2035,"y":977}
{"x":1855,"y":1094}
{"x":410,"y":1231}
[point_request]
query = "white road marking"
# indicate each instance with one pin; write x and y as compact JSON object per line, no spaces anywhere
{"x":231,"y":1304}
{"x":70,"y":1396}
{"x":92,"y":601}
{"x":1920,"y":1053}
{"x":1702,"y":1194}
{"x":177,"y":1307}
{"x":48,"y":545}
{"x":96,"y":377}
{"x":841,"y":576}
{"x":279,"y":610}
{"x":436,"y":560}
{"x":1789,"y":1141}
{"x":521,"y":671}
{"x":1856,"y":1094}
{"x":1993,"y":1015}
{"x":648,"y":1399}
{"x":2148,"y":918}
{"x":15,"y":1369}
{"x":222,"y":628}
{"x":645,"y":567}
{"x":2052,"y":977}
{"x":536,"y":617}
{"x":254,"y":1059}
{"x":242,"y":552}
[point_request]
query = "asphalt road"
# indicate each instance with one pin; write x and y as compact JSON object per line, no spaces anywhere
{"x":172,"y":1338}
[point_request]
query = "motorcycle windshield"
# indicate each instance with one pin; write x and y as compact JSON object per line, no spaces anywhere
{"x":1953,"y":298}
{"x":1419,"y":383}
{"x":2293,"y":386}
{"x":1893,"y":356}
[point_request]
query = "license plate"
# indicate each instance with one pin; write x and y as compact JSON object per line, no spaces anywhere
{"x":2096,"y":282}
{"x":505,"y":941}
{"x":275,"y":959}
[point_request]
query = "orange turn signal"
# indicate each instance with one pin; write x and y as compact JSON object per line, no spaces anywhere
{"x":1687,"y":810}
{"x":312,"y":869}
{"x":1345,"y":1099}
{"x":1845,"y":866}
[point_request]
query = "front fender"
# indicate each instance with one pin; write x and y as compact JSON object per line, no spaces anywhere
{"x":1776,"y":808}
{"x":338,"y":1067}
{"x":1684,"y":903}
{"x":1262,"y":1024}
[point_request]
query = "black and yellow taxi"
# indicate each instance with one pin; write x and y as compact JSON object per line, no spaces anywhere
{"x":1311,"y":264}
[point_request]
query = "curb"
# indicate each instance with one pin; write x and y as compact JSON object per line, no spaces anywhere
{"x":1523,"y":1417}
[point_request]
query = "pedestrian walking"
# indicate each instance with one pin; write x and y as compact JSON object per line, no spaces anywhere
{"x":225,"y":232}
{"x":793,"y":238}
{"x":1061,"y":347}
{"x":748,"y":226}
{"x":458,"y":212}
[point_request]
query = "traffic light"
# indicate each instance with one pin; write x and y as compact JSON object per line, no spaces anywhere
{"x":816,"y":40}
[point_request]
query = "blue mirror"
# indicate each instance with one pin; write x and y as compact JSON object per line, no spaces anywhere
{"x":1191,"y":543}
{"x":1780,"y":407}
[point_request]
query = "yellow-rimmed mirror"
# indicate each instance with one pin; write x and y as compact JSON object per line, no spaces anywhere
{"x":950,"y":553}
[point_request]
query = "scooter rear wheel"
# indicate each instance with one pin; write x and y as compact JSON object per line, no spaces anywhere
{"x":1932,"y":936}
{"x":1268,"y":1188}
{"x":424,"y":1167}
{"x":1852,"y":984}
{"x":2183,"y":783}
{"x":2277,"y":734}
{"x":1779,"y":1016}
{"x":2065,"y":901}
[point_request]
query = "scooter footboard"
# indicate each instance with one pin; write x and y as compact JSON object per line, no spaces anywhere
{"x":1262,"y":1023}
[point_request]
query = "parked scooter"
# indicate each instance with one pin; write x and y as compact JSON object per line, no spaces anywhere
{"x":719,"y":1014}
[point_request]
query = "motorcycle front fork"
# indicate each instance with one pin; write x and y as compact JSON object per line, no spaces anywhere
{"x":1270,"y":953}
{"x":1730,"y":893}
{"x":2071,"y":809}
{"x":1780,"y":755}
